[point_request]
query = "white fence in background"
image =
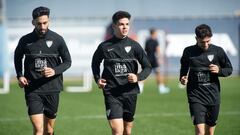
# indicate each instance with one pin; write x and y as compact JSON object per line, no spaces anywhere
{"x":83,"y":41}
{"x":6,"y":83}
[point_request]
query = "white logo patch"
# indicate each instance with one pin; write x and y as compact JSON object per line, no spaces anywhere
{"x":108,"y":112}
{"x":28,"y":44}
{"x":210,"y":57}
{"x":49,"y":43}
{"x":120,"y":69}
{"x":111,"y":49}
{"x":128,"y":49}
{"x":40,"y":64}
{"x":193,"y":118}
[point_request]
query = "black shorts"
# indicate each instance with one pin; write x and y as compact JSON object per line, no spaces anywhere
{"x":123,"y":106}
{"x":154,"y":63}
{"x":42,"y":104}
{"x":204,"y":113}
{"x":156,"y":70}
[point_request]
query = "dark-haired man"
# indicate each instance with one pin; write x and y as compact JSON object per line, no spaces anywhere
{"x":119,"y":80}
{"x":201,"y":65}
{"x":46,"y":57}
{"x":152,"y":49}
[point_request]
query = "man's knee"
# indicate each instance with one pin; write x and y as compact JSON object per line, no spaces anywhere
{"x":49,"y":126}
{"x":49,"y":131}
{"x":200,"y":129}
{"x":37,"y":123}
{"x":127,"y":132}
{"x":117,"y":131}
{"x":38,"y":129}
{"x":128,"y":128}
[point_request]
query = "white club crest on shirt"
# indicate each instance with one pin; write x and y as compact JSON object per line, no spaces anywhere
{"x":49,"y":43}
{"x":128,"y":49}
{"x":210,"y":57}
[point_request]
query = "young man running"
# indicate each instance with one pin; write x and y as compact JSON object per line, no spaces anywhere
{"x":119,"y":80}
{"x":201,"y":65}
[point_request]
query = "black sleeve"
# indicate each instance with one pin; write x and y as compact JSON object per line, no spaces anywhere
{"x":65,"y":56}
{"x":224,"y":63}
{"x":18,"y":56}
{"x":144,"y":62}
{"x":184,"y":61}
{"x":146,"y":47}
{"x":96,"y":61}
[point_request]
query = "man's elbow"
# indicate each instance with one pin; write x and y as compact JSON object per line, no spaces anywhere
{"x":68,"y":64}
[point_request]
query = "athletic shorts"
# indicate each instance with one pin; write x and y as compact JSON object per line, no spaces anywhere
{"x":154,"y":63}
{"x":204,"y":113}
{"x":42,"y":104}
{"x":123,"y":106}
{"x":156,"y":70}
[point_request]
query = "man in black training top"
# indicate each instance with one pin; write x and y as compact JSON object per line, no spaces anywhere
{"x":119,"y":79}
{"x":153,"y":51}
{"x":46,"y":58}
{"x":201,"y":65}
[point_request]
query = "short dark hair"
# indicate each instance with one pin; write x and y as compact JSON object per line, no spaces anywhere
{"x":152,"y":30}
{"x":40,"y":11}
{"x":119,"y":15}
{"x":203,"y":31}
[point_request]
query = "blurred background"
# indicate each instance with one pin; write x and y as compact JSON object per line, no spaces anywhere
{"x":83,"y":25}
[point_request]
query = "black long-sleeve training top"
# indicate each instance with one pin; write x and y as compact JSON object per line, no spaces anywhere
{"x":151,"y":50}
{"x":203,"y":86}
{"x":121,"y":56}
{"x":39,"y":52}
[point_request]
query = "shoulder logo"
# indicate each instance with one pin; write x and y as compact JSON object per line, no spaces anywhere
{"x":49,"y":43}
{"x":28,"y":44}
{"x":128,"y":49}
{"x":210,"y":57}
{"x":111,"y":49}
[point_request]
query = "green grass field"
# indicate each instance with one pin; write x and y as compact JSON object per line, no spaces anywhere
{"x":84,"y":114}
